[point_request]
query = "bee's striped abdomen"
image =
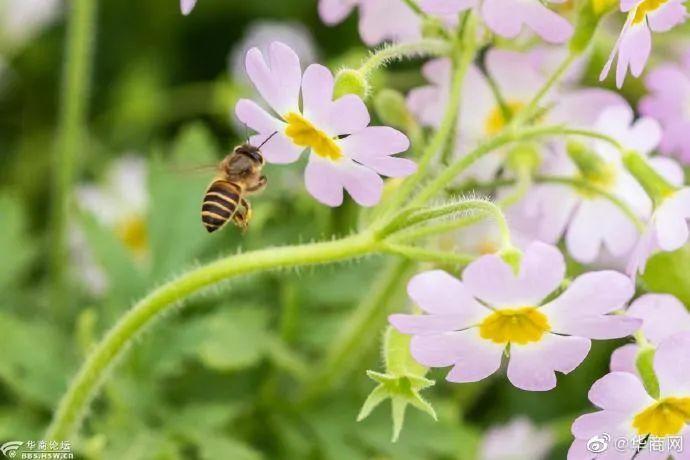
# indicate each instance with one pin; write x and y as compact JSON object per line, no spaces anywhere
{"x":220,"y":204}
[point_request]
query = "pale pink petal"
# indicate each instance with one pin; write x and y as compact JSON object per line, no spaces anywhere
{"x":671,"y":221}
{"x":278,"y":149}
{"x":593,"y":293}
{"x":346,"y":115}
{"x":334,"y":11}
{"x":426,"y":103}
{"x":187,"y":6}
{"x":322,"y":182}
{"x":635,"y":47}
{"x":667,"y":16}
{"x":548,"y":24}
{"x":669,"y":169}
{"x":620,"y":392}
{"x":503,"y":17}
{"x":256,"y":118}
{"x":672,"y":365}
{"x":492,"y":280}
{"x":582,"y":107}
{"x":624,"y":359}
{"x":429,"y":324}
{"x":381,"y":20}
{"x":501,"y":65}
{"x":278,"y":80}
{"x":532,"y":367}
{"x":663,"y":315}
{"x":597,"y":423}
{"x":444,"y":7}
{"x":439,"y":293}
{"x":373,"y":147}
{"x":627,"y":5}
{"x":474,"y":358}
{"x":363,"y":184}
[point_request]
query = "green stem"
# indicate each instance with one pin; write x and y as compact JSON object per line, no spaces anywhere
{"x":527,"y":112}
{"x":71,"y":132}
{"x":440,"y":138}
{"x":591,"y":188}
{"x":504,"y":138}
{"x":164,"y":299}
{"x":359,"y":332}
{"x":389,"y":53}
{"x":428,"y":255}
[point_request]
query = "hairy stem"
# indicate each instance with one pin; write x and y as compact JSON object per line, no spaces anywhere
{"x":92,"y":373}
{"x":389,"y":53}
{"x":71,"y":132}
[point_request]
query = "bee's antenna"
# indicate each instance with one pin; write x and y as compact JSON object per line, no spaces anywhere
{"x":267,"y":139}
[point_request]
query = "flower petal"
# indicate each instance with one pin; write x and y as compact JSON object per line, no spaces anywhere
{"x":671,"y":221}
{"x":621,"y":392}
{"x":256,"y":118}
{"x":623,"y":359}
{"x":278,"y":81}
{"x":439,"y":293}
{"x":491,"y":279}
{"x":672,"y":365}
{"x":546,"y":23}
{"x":186,"y":6}
{"x":662,"y":314}
{"x":532,"y":367}
{"x":667,"y":16}
{"x":322,"y":181}
{"x":278,"y":149}
{"x":373,"y":147}
{"x":332,"y":12}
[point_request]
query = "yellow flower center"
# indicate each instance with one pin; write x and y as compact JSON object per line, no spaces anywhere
{"x":520,"y":325}
{"x":647,"y":6}
{"x":133,"y":234}
{"x":304,"y":134}
{"x":487,"y":247}
{"x":498,"y":117}
{"x":664,"y":418}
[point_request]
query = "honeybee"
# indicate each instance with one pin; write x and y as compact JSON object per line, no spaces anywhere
{"x":239,"y":174}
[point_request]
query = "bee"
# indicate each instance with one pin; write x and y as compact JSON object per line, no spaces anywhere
{"x":239,"y":174}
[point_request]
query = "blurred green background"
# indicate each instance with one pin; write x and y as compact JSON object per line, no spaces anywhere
{"x":239,"y":373}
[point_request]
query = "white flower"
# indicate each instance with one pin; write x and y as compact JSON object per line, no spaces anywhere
{"x":519,"y":439}
{"x":21,"y":20}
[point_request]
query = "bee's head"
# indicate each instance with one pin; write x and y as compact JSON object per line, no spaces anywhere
{"x":251,"y":152}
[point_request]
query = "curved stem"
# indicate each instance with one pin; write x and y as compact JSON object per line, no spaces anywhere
{"x":83,"y":388}
{"x":504,"y":138}
{"x":527,"y":112}
{"x":71,"y":131}
{"x":389,"y":53}
{"x":440,"y":138}
{"x":428,"y":255}
{"x":584,"y":185}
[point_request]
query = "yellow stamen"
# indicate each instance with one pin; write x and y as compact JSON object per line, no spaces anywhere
{"x":304,"y":134}
{"x":646,"y":7}
{"x":520,"y":325}
{"x":133,"y":234}
{"x":497,"y":119}
{"x":667,"y":417}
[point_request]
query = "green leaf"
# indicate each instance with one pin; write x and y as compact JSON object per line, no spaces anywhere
{"x":36,"y":373}
{"x":234,"y":339}
{"x":667,"y":272}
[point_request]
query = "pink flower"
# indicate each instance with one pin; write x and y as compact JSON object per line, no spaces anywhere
{"x":187,"y":6}
{"x":346,"y":153}
{"x":629,"y":413}
{"x":520,"y":434}
{"x":472,"y":323}
{"x":635,"y":41}
{"x":662,"y":316}
{"x":669,"y":103}
{"x":481,"y":116}
{"x":507,"y":17}
{"x":379,"y":20}
{"x":667,"y":230}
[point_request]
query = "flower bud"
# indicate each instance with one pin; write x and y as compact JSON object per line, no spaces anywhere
{"x":391,"y":109}
{"x":350,"y":81}
{"x":513,"y":257}
{"x":645,"y":367}
{"x":588,"y":18}
{"x":592,"y":167}
{"x":523,"y":158}
{"x":653,"y":183}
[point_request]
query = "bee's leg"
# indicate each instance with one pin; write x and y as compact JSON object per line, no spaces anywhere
{"x":243,"y":215}
{"x":260,"y":185}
